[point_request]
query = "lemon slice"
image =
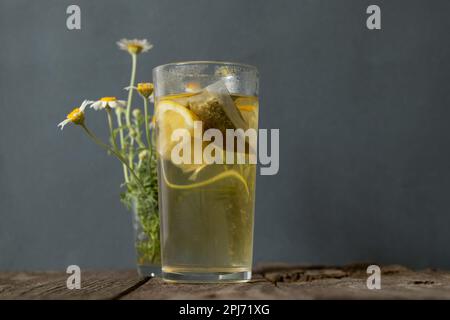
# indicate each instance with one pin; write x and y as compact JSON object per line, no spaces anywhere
{"x":247,"y":107}
{"x":228,"y":174}
{"x":169,"y":117}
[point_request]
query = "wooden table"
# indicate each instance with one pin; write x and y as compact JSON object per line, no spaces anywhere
{"x":269,"y":282}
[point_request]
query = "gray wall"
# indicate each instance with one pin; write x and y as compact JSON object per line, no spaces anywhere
{"x":364,"y":118}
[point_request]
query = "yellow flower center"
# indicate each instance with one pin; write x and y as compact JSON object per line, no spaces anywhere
{"x":76,"y":116}
{"x":108,"y":99}
{"x":134,"y":48}
{"x":145,"y":89}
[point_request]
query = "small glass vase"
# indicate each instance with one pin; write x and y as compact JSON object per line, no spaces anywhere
{"x":146,"y":238}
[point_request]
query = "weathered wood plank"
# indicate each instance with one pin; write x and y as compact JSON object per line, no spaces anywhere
{"x":52,"y":285}
{"x":258,"y":288}
{"x":315,"y":282}
{"x":349,"y":282}
{"x":270,"y":282}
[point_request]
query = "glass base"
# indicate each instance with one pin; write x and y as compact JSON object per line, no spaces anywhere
{"x":206,"y":277}
{"x":151,"y":271}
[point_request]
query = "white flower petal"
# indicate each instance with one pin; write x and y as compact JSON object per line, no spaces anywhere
{"x":113,"y":104}
{"x":85,"y":104}
{"x":96,"y":105}
{"x":122,"y":43}
{"x":144,"y":43}
{"x":63,"y":123}
{"x":130,"y":87}
{"x":147,"y":47}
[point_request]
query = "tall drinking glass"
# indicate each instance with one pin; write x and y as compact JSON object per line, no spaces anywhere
{"x":206,"y":206}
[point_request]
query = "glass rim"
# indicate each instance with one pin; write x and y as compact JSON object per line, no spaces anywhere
{"x":205,"y":62}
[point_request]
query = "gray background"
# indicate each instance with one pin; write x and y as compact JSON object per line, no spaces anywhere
{"x":363,"y":116}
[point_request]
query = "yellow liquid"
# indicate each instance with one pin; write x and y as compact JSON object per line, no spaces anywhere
{"x":207,"y":222}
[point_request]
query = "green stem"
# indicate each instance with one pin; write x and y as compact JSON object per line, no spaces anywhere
{"x":128,"y":111}
{"x":130,"y":92}
{"x":139,"y":141}
{"x":147,"y":130}
{"x":111,"y":132}
{"x":122,"y":142}
{"x":138,"y":137}
{"x":119,"y":156}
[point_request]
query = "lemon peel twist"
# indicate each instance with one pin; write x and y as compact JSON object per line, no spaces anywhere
{"x":220,"y":176}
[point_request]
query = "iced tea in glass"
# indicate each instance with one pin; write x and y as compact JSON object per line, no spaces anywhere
{"x":206,"y":209}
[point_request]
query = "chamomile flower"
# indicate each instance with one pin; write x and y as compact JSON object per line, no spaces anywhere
{"x":145,"y":89}
{"x":108,"y":102}
{"x":134,"y":46}
{"x":76,"y":116}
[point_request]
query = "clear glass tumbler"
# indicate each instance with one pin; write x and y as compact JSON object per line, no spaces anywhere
{"x":206,"y":208}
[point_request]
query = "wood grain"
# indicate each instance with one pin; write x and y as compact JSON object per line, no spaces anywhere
{"x":158,"y":289}
{"x":52,"y":285}
{"x":275,"y":281}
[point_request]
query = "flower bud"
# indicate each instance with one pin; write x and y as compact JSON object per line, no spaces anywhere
{"x":144,"y":154}
{"x":133,"y":133}
{"x":119,"y":110}
{"x":137,"y":113}
{"x":145,"y":89}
